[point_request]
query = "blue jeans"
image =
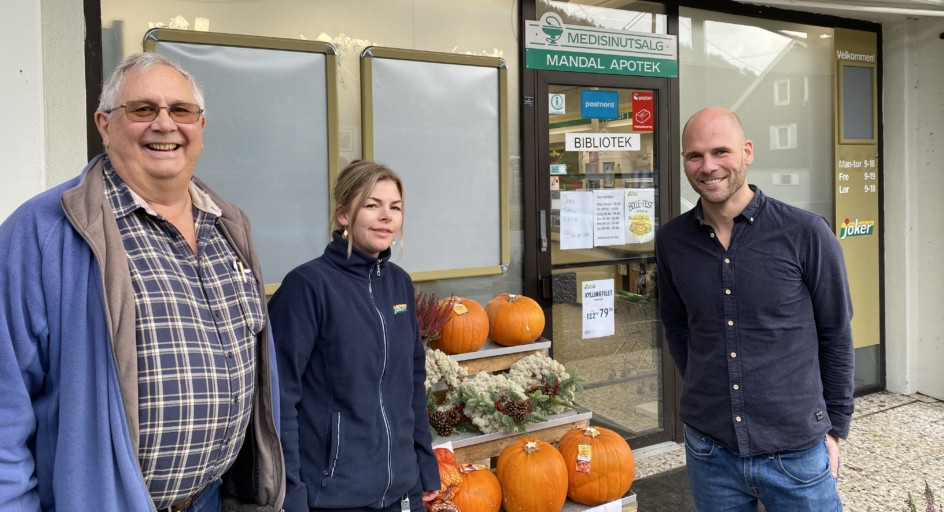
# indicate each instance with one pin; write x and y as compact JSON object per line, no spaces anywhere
{"x":793,"y":481}
{"x":208,"y":500}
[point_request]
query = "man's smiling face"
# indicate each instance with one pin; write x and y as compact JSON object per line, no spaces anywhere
{"x":158,"y":150}
{"x":716,"y":155}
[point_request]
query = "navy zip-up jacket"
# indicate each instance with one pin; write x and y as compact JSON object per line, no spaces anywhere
{"x":353,"y":402}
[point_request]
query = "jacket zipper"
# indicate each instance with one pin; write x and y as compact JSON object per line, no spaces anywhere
{"x":383,"y":412}
{"x":329,"y":473}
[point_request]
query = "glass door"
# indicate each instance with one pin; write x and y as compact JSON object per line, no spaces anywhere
{"x":601,"y":155}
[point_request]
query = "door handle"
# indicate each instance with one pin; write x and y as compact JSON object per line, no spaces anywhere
{"x":543,"y":222}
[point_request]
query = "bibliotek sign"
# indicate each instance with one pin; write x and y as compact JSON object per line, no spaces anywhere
{"x":549,"y":44}
{"x":601,"y":142}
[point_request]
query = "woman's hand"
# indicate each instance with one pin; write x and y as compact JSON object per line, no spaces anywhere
{"x":430,"y":495}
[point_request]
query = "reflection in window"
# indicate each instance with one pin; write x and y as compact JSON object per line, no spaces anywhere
{"x":737,"y":63}
{"x":781,"y":92}
{"x":630,"y":15}
{"x":783,"y":136}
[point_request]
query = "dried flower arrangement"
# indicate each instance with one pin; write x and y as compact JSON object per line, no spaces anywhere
{"x":431,"y":321}
{"x":534,"y":387}
{"x":446,"y":417}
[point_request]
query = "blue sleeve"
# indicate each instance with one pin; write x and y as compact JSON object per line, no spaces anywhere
{"x":292,"y":315}
{"x":825,"y":277}
{"x":422,"y":438}
{"x":672,"y":310}
{"x":23,"y":328}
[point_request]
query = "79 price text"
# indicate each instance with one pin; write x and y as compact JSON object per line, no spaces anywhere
{"x":600,"y":313}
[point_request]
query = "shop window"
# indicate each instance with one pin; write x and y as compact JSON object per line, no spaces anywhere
{"x":783,"y":136}
{"x":781,"y":93}
{"x":479,"y":27}
{"x":738,"y":62}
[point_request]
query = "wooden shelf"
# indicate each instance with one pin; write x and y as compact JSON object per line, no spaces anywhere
{"x":473,"y":447}
{"x":493,"y":357}
{"x":628,"y":504}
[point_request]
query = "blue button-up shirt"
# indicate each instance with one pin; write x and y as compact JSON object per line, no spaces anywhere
{"x":760,"y":332}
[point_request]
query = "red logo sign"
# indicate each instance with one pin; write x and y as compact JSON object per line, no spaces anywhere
{"x":643,"y":112}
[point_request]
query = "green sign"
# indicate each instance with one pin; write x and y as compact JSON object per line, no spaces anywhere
{"x":599,"y":63}
{"x":549,"y":44}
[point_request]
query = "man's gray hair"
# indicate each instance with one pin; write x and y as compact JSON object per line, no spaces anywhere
{"x":142,"y":63}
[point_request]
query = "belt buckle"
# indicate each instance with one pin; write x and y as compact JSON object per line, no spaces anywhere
{"x":183,"y":504}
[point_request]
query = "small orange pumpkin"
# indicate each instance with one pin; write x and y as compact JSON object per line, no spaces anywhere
{"x":480,"y":492}
{"x":514,"y":320}
{"x":465,"y":331}
{"x":533,"y":477}
{"x":608,"y":474}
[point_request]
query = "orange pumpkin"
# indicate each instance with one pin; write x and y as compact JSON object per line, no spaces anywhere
{"x":533,"y":477}
{"x":514,"y":320}
{"x":480,"y":492}
{"x":465,"y":331}
{"x":608,"y":474}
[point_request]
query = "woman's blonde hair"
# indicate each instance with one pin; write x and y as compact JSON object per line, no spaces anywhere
{"x":361,"y":176}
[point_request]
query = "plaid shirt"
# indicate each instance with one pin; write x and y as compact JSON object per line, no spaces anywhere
{"x":197,"y":320}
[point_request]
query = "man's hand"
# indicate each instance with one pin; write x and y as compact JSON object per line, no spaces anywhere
{"x":832,"y":448}
{"x":430,"y":495}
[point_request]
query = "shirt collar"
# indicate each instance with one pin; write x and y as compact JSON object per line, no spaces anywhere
{"x":128,"y":200}
{"x":749,"y":213}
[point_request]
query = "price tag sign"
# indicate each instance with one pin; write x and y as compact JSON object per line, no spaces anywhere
{"x":598,"y":311}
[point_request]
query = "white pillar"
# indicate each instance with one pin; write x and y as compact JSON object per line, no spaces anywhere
{"x":63,"y":23}
{"x":42,"y":76}
{"x":21,"y":80}
{"x":926,"y":231}
{"x":914,"y":208}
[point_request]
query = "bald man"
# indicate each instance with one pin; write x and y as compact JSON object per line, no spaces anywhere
{"x":755,"y":302}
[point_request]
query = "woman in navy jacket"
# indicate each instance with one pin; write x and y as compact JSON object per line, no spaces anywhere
{"x":351,"y":363}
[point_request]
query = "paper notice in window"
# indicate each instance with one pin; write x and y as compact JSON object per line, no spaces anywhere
{"x":598,"y":314}
{"x":608,"y":227}
{"x":640,"y":215}
{"x":576,"y":220}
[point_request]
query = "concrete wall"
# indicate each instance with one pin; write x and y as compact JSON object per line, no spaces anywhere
{"x":63,"y":37}
{"x":21,"y":80}
{"x":914,"y":205}
{"x":42,"y":76}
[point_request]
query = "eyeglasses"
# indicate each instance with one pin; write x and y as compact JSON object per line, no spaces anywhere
{"x":146,"y":111}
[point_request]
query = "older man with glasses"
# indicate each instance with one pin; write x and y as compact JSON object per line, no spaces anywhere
{"x":135,"y":361}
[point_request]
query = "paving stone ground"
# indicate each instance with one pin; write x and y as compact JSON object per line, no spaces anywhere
{"x":895,"y":444}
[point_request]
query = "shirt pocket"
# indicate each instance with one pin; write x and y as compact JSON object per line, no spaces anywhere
{"x":249,"y":299}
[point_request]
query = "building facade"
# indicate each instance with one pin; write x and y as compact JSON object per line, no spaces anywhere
{"x":780,"y":70}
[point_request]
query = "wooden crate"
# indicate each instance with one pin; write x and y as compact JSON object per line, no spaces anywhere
{"x":493,"y":357}
{"x":474,"y":447}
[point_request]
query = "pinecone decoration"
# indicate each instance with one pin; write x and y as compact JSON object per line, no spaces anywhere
{"x":444,"y":421}
{"x":546,"y":389}
{"x":517,"y":410}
